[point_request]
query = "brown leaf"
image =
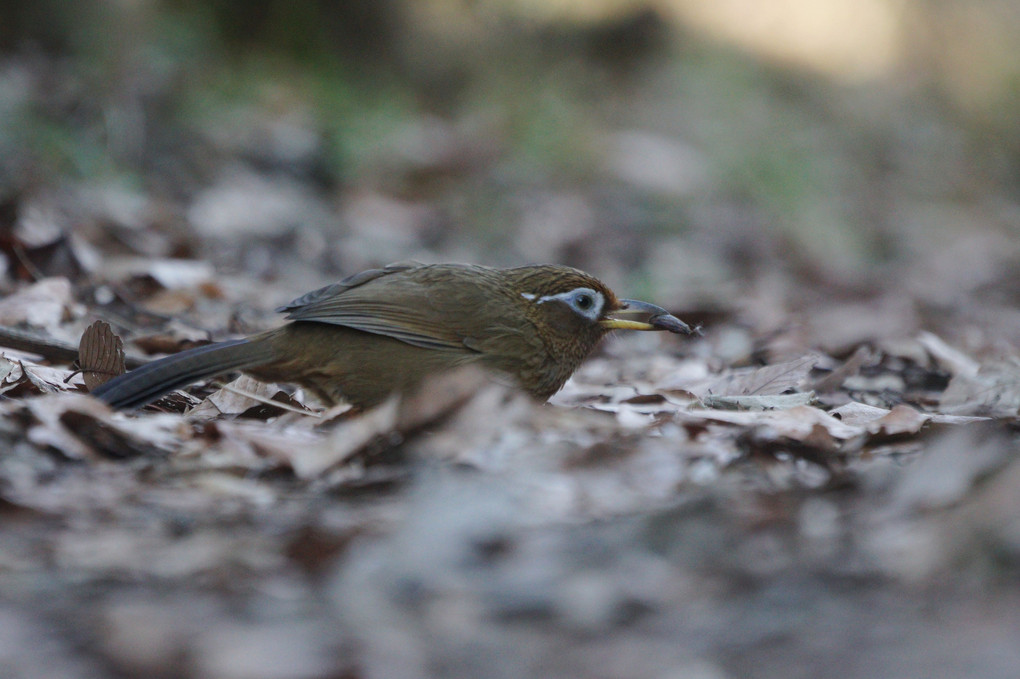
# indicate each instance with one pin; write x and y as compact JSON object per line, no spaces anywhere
{"x":79,"y":427}
{"x":769,"y":380}
{"x":100,"y":354}
{"x":101,"y":437}
{"x":902,"y":419}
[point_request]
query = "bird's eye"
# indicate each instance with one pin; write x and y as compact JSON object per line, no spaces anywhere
{"x":584,"y":302}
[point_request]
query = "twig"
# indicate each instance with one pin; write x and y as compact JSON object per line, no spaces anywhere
{"x":49,"y":348}
{"x":267,"y":401}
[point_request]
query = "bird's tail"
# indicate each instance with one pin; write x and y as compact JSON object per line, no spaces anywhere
{"x":152,"y":380}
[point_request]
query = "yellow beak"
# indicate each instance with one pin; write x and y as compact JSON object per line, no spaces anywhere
{"x":659,"y":318}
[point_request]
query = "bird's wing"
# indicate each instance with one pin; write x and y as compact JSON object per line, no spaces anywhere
{"x":398,"y":301}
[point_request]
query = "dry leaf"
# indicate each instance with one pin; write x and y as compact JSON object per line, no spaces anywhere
{"x":953,"y":360}
{"x":993,"y":391}
{"x":901,"y":419}
{"x":797,"y":422}
{"x":875,"y":419}
{"x":101,"y":437}
{"x":249,"y":443}
{"x":346,"y":439}
{"x":16,"y":376}
{"x":858,"y":414}
{"x":850,"y":367}
{"x":236,"y":398}
{"x":100,"y":355}
{"x":756,"y":402}
{"x":45,"y":304}
{"x":766,"y":381}
{"x":169,"y":273}
{"x":81,"y":427}
{"x":12,"y":374}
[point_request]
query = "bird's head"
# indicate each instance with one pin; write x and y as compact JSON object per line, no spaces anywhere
{"x":574,"y":310}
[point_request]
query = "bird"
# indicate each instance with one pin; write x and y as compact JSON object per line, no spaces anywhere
{"x":386,"y":330}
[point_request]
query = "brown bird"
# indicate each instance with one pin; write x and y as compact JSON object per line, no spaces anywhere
{"x":385,"y":330}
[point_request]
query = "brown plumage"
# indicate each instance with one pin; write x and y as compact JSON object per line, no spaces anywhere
{"x":385,"y":330}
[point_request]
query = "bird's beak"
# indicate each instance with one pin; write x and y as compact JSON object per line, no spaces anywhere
{"x":658,"y":318}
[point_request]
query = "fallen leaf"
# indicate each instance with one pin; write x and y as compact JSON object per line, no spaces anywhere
{"x":797,"y":422}
{"x":816,"y":444}
{"x":870,"y":417}
{"x":953,"y":360}
{"x":993,"y":391}
{"x":101,"y":437}
{"x":12,"y":374}
{"x":248,"y":444}
{"x":766,"y":381}
{"x":47,"y":253}
{"x":100,"y":355}
{"x":850,"y":367}
{"x":236,"y":397}
{"x":45,"y":304}
{"x":18,"y":378}
{"x":81,"y":427}
{"x":901,"y":419}
{"x":347,"y":438}
{"x":756,"y":402}
{"x":856,"y":413}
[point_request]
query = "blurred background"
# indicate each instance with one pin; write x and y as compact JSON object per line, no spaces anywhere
{"x":726,"y":156}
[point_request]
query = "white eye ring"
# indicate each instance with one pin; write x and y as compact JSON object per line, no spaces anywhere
{"x":585,"y":302}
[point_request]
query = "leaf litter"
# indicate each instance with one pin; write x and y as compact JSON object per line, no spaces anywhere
{"x":172,"y":496}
